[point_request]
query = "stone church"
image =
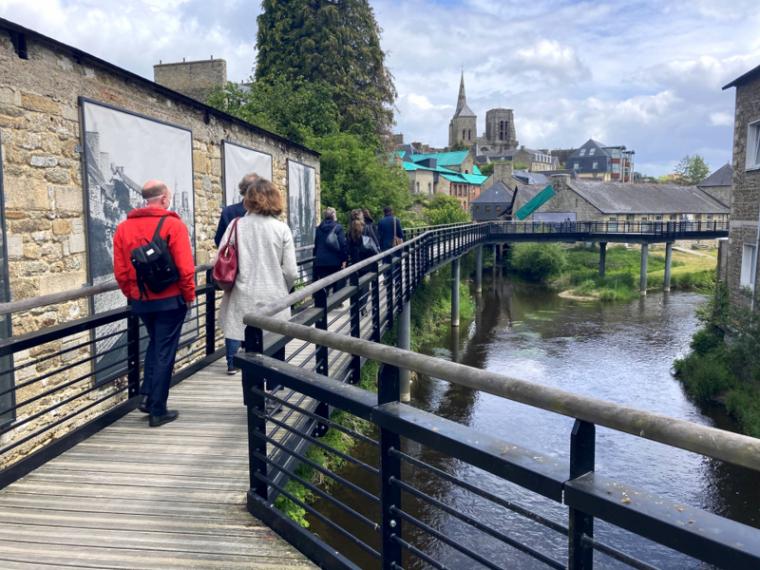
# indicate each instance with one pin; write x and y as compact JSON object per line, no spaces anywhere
{"x":500,"y":136}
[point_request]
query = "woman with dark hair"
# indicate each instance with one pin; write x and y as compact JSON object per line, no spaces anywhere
{"x":369,"y":222}
{"x":266,"y":262}
{"x":362,"y":244}
{"x":330,"y":248}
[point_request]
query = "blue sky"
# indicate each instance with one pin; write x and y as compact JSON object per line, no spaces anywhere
{"x":646,"y":74}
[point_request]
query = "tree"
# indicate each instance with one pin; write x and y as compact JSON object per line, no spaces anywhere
{"x":444,"y":209}
{"x":691,"y":170}
{"x":487,"y":169}
{"x":336,"y":44}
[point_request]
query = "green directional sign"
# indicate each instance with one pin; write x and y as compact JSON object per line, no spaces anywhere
{"x":535,"y":203}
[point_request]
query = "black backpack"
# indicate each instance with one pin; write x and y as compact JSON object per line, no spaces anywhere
{"x":154,"y":264}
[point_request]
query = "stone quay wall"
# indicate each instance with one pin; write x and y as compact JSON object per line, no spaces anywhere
{"x":42,"y":156}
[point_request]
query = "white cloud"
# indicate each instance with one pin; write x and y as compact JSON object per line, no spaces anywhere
{"x":721,"y":119}
{"x":552,"y":56}
{"x":423,"y":103}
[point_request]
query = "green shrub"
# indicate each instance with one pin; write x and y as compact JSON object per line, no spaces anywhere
{"x":706,"y":340}
{"x":705,"y":376}
{"x":538,"y":262}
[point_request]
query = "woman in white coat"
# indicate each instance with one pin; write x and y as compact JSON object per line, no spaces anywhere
{"x":266,"y":262}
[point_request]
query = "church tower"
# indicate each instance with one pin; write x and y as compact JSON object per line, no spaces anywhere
{"x":500,"y":130}
{"x":464,"y":122}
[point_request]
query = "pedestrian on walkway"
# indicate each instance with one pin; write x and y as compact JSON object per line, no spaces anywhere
{"x":330,"y":248}
{"x":236,"y":210}
{"x":389,"y":230}
{"x":362,"y":244}
{"x":266,"y":259}
{"x":161,"y":311}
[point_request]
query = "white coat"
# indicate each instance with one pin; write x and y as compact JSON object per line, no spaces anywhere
{"x":266,"y":270}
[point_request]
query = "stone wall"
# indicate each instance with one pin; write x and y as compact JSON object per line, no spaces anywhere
{"x":45,"y":211}
{"x":745,"y":198}
{"x":196,"y":79}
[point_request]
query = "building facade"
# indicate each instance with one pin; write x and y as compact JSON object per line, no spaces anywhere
{"x":744,"y":231}
{"x":196,"y":79}
{"x":598,"y":161}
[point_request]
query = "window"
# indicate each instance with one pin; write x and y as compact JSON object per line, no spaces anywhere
{"x":417,"y":187}
{"x":753,"y":146}
{"x":430,"y":187}
{"x":576,"y":166}
{"x":469,"y":134}
{"x":613,"y":218}
{"x":658,"y":218}
{"x":502,"y":130}
{"x":488,"y":209}
{"x":583,"y":152}
{"x":595,"y":165}
{"x":464,"y":132}
{"x":709,"y":216}
{"x":748,"y":266}
{"x":591,"y":151}
{"x":630,"y":217}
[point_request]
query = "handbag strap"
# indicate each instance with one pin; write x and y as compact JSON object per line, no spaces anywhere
{"x":234,"y":231}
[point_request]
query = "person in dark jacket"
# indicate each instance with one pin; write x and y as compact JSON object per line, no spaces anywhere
{"x":162,"y":313}
{"x":330,"y":254}
{"x":233,"y":211}
{"x":357,"y":248}
{"x":389,"y":228}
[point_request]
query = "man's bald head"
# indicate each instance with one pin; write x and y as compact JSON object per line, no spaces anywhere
{"x":154,"y":189}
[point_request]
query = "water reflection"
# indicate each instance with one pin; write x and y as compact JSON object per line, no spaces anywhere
{"x":618,"y":352}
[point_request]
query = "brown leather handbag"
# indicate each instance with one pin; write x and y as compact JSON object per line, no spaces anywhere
{"x":226,"y":266}
{"x":396,"y":240}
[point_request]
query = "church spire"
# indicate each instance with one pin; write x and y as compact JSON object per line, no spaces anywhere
{"x":462,"y":100}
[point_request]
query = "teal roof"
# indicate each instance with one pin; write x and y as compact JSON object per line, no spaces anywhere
{"x":444,"y":158}
{"x":410,"y":167}
{"x":476,"y":170}
{"x":465,"y":178}
{"x":535,"y":203}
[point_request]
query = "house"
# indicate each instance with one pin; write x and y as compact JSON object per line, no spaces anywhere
{"x":494,"y":203}
{"x":744,"y":231}
{"x":453,"y":173}
{"x":601,"y":162}
{"x":718,"y":184}
{"x":526,"y":158}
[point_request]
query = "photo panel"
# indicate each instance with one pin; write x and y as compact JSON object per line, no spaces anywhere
{"x":122,"y":151}
{"x":239,"y":161}
{"x":302,"y":202}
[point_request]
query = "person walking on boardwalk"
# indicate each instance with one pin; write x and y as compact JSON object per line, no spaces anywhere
{"x":154,"y":267}
{"x":236,"y":210}
{"x":362,"y":244}
{"x":389,"y":230}
{"x":266,"y":263}
{"x":330,"y":248}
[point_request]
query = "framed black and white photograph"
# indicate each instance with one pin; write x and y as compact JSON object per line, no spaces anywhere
{"x":7,"y":393}
{"x":122,"y":151}
{"x":238,"y":161}
{"x":302,"y":202}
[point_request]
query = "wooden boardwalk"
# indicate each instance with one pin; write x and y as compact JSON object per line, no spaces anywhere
{"x":135,"y":497}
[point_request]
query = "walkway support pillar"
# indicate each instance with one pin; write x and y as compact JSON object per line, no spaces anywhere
{"x":405,"y":343}
{"x":602,"y":258}
{"x":643,"y":279}
{"x":668,"y":261}
{"x":455,"y":293}
{"x":495,"y":254}
{"x":479,"y":269}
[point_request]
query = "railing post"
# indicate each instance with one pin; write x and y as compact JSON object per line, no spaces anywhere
{"x":375,"y":299}
{"x":356,"y":323}
{"x":455,"y":293}
{"x":322,"y":366}
{"x":133,"y":355}
{"x":643,"y":275}
{"x":479,"y":269}
{"x":390,"y":285}
{"x":668,"y":263}
{"x":256,"y":407}
{"x":582,"y":459}
{"x":390,"y":470}
{"x":602,"y":258}
{"x":210,"y":314}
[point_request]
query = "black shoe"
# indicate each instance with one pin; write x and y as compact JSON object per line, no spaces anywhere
{"x":165,"y":418}
{"x":144,"y":407}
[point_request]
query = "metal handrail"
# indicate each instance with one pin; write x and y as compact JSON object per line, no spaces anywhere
{"x":711,"y":442}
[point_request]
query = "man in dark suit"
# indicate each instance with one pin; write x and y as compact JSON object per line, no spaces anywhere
{"x":388,"y":228}
{"x":233,"y":211}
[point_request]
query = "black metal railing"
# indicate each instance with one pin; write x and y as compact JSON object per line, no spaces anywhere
{"x":66,"y":381}
{"x":381,"y":530}
{"x":657,"y":230}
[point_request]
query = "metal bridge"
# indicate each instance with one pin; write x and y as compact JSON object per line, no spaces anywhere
{"x":87,"y":484}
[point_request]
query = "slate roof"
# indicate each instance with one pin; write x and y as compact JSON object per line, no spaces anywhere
{"x":721,"y":177}
{"x":590,"y":143}
{"x":497,"y":193}
{"x":750,"y":75}
{"x":640,"y":198}
{"x":464,"y":111}
{"x":527,"y":177}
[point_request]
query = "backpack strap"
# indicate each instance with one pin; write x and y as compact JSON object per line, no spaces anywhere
{"x":157,"y":233}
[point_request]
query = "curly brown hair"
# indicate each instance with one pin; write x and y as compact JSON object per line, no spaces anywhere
{"x":262,"y":197}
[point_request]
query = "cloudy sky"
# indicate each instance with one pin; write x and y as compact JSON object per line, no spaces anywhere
{"x":646,"y":74}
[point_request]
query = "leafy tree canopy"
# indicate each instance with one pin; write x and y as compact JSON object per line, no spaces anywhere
{"x":444,"y":209}
{"x":691,"y":170}
{"x":332,"y":43}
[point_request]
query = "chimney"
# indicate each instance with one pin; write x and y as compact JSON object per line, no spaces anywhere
{"x":559,"y":181}
{"x":502,"y":171}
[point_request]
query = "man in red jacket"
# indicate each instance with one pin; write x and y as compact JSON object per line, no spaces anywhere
{"x":162,"y":313}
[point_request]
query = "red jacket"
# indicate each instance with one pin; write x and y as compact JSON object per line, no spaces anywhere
{"x":137,"y":230}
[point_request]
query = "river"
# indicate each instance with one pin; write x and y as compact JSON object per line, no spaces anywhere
{"x":619,"y":352}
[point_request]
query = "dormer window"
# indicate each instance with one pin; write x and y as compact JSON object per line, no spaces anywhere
{"x":591,"y":151}
{"x":583,"y":152}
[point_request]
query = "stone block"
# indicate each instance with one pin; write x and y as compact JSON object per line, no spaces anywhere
{"x":39,"y":103}
{"x":31,"y":251}
{"x":61,"y":227}
{"x":77,"y":243}
{"x":10,"y":110}
{"x":67,"y":198}
{"x":26,"y":194}
{"x":43,"y":161}
{"x":58,"y":176}
{"x":63,"y":282}
{"x":15,"y":247}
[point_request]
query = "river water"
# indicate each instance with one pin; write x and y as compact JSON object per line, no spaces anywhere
{"x":618,"y":352}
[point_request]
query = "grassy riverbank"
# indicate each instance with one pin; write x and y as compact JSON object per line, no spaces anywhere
{"x":725,"y":370}
{"x":575,"y":270}
{"x":431,"y":309}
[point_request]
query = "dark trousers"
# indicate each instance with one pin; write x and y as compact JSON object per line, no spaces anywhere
{"x":164,"y":329}
{"x":322,"y":271}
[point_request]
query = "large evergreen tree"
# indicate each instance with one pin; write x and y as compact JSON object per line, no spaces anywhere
{"x":333,"y":43}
